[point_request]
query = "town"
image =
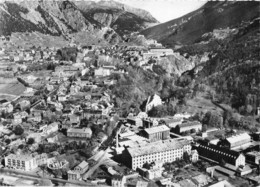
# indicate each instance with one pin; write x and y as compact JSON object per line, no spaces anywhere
{"x":61,"y":124}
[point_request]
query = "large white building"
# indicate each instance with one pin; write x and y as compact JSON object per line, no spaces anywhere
{"x":165,"y":150}
{"x":79,"y":133}
{"x":21,"y":162}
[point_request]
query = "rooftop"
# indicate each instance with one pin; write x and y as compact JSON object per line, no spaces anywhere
{"x":156,"y":129}
{"x":156,"y":147}
{"x":83,"y":164}
{"x":19,"y":157}
{"x":190,"y":123}
{"x":84,"y":130}
{"x":239,"y":137}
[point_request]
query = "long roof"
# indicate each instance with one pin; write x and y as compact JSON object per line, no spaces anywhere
{"x":20,"y":157}
{"x":156,"y":129}
{"x":239,"y":138}
{"x":84,"y":130}
{"x":156,"y":147}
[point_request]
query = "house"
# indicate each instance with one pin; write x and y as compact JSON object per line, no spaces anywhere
{"x":118,"y":181}
{"x":135,"y":121}
{"x":78,"y":171}
{"x":161,"y":51}
{"x":235,"y":141}
{"x":153,"y":101}
{"x":74,"y":119}
{"x":62,"y":97}
{"x":167,"y":182}
{"x":80,"y":133}
{"x":200,"y":180}
{"x":41,"y":159}
{"x":253,"y":157}
{"x":187,"y":183}
{"x":220,"y":154}
{"x":150,"y":122}
{"x":188,"y":126}
{"x":165,"y":150}
{"x":161,"y":132}
{"x":21,"y":162}
{"x":7,"y":107}
{"x":53,"y":127}
{"x":152,"y":171}
{"x":102,"y":72}
{"x":173,"y":122}
{"x":35,"y":117}
{"x":194,"y":156}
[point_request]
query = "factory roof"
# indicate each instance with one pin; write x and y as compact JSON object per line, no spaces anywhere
{"x":156,"y":129}
{"x":238,"y":138}
{"x":156,"y":147}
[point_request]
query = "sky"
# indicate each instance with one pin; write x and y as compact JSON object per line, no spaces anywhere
{"x":165,"y":10}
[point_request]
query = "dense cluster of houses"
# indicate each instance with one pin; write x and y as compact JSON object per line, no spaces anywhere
{"x":64,"y":101}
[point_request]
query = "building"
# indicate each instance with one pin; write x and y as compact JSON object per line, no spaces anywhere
{"x":47,"y":130}
{"x":194,"y":156}
{"x":161,"y":132}
{"x":188,"y":126}
{"x":153,"y":170}
{"x":21,"y":162}
{"x":102,"y":72}
{"x":41,"y":159}
{"x":135,"y":121}
{"x":173,"y":122}
{"x":161,"y":51}
{"x":235,"y":141}
{"x":79,"y":133}
{"x":219,"y":154}
{"x":78,"y":171}
{"x":165,"y":150}
{"x":118,"y":181}
{"x":153,"y":101}
{"x":253,"y":157}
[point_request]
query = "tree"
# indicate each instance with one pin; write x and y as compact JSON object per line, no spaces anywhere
{"x":18,"y":130}
{"x":7,"y":141}
{"x":186,"y":157}
{"x":30,"y":141}
{"x":249,"y":109}
{"x":204,"y":128}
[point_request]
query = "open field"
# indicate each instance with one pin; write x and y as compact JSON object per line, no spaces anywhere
{"x":12,"y":89}
{"x":201,"y":104}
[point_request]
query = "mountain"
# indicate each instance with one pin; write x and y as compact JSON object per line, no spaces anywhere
{"x":49,"y":17}
{"x":122,"y":18}
{"x":66,"y":17}
{"x":213,"y":15}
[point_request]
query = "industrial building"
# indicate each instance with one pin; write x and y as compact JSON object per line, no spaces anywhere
{"x":161,"y":132}
{"x":21,"y":162}
{"x":219,"y":154}
{"x":165,"y":150}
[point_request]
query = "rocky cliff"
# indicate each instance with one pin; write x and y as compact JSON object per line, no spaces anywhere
{"x":122,"y":18}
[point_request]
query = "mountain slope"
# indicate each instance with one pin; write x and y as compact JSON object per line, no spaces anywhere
{"x":50,"y":17}
{"x":213,"y":15}
{"x":122,"y":18}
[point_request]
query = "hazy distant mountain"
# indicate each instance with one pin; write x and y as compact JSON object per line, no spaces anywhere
{"x":213,"y":15}
{"x":122,"y":18}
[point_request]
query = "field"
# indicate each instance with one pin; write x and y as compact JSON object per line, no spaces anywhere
{"x":11,"y":91}
{"x":201,"y":104}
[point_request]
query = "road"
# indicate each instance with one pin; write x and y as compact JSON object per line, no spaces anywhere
{"x":93,"y":168}
{"x":101,"y":159}
{"x":22,"y":174}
